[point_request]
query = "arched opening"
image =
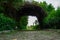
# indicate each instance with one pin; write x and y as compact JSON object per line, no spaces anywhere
{"x":32,"y":23}
{"x":24,"y":10}
{"x":33,"y":10}
{"x":29,"y":22}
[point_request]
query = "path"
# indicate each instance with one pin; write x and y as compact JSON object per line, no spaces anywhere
{"x":31,"y":35}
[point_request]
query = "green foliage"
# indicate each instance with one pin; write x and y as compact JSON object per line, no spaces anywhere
{"x":50,"y":8}
{"x":17,"y":3}
{"x":46,"y":7}
{"x":53,"y":19}
{"x":23,"y":22}
{"x":35,"y":27}
{"x":6,"y":23}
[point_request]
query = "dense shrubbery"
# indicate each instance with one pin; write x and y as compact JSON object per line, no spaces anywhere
{"x":53,"y":16}
{"x":53,"y":19}
{"x":6,"y":23}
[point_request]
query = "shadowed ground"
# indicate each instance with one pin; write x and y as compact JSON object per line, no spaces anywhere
{"x":31,"y":35}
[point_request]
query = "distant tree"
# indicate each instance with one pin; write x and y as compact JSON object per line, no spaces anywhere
{"x":53,"y":19}
{"x":50,"y":8}
{"x":50,"y":20}
{"x":43,"y":5}
{"x":46,"y":7}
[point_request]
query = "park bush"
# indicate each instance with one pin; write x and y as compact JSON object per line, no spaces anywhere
{"x":6,"y":23}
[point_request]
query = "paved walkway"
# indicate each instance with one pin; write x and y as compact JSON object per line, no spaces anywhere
{"x":31,"y":35}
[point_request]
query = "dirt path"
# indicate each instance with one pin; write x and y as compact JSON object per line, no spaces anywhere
{"x":31,"y":35}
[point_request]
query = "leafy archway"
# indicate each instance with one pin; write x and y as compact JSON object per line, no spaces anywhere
{"x":33,"y":10}
{"x":26,"y":9}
